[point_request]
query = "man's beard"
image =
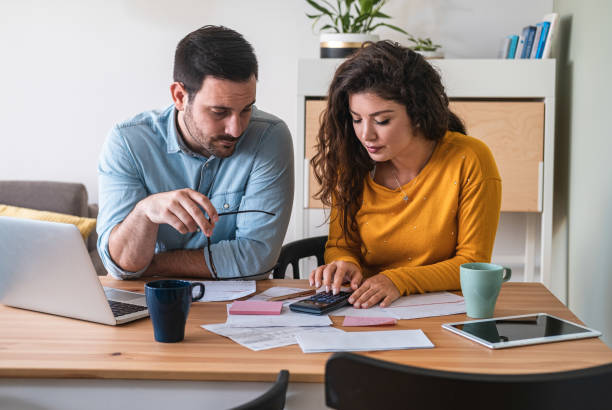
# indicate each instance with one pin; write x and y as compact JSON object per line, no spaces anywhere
{"x":212,"y":145}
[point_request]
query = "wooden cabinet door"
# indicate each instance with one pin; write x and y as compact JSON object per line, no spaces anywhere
{"x":513,"y":130}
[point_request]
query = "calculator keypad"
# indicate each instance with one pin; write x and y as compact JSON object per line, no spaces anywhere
{"x":321,"y":303}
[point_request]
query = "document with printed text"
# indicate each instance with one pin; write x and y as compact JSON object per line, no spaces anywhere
{"x":262,"y":338}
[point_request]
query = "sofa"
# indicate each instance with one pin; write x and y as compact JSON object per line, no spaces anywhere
{"x":62,"y":197}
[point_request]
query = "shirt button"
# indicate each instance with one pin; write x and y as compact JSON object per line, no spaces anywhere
{"x":206,"y":165}
{"x":225,"y":206}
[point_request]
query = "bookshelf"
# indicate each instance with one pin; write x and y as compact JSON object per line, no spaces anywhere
{"x":507,"y":103}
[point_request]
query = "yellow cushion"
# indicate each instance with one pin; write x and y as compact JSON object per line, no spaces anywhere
{"x":85,"y":225}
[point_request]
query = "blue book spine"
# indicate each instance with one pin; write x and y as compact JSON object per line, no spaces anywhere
{"x":528,"y":35}
{"x":545,"y":27}
{"x":513,"y":43}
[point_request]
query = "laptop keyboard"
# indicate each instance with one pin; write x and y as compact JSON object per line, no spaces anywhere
{"x":120,"y":308}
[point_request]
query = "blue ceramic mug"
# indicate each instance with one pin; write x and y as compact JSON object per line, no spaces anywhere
{"x":168,"y":302}
{"x":480,"y":285}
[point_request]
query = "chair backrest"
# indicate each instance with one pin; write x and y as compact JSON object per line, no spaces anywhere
{"x":358,"y":382}
{"x":273,"y":399}
{"x":292,"y":252}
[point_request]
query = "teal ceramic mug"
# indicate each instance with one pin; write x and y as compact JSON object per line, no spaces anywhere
{"x":480,"y":285}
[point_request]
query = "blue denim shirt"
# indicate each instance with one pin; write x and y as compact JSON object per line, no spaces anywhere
{"x":145,"y":156}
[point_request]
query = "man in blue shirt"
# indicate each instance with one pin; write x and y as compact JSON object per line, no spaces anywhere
{"x":174,"y":184}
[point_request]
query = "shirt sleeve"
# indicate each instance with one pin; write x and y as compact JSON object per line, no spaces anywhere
{"x":477,"y":219}
{"x":338,"y":248}
{"x":259,"y":236}
{"x":120,"y":188}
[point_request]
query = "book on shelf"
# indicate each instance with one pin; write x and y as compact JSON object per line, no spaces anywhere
{"x":513,"y":43}
{"x":536,"y":40}
{"x":541,"y":40}
{"x":519,"y":47}
{"x":503,"y":49}
{"x":552,"y":19}
{"x":528,"y":35}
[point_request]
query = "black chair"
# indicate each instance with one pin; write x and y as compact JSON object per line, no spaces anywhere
{"x":292,"y":252}
{"x":273,"y":399}
{"x":358,"y":382}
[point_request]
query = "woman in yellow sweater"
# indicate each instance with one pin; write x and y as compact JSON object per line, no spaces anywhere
{"x":411,"y":196}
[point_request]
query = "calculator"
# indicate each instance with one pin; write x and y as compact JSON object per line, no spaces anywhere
{"x":321,"y":303}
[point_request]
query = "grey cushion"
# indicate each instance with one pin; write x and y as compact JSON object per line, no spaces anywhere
{"x":63,"y":197}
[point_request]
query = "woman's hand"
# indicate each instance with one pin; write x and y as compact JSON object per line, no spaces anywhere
{"x":373,"y":290}
{"x":334,"y":274}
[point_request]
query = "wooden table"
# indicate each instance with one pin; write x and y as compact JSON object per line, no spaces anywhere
{"x":45,"y":348}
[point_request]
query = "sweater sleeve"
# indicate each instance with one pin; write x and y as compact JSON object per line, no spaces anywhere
{"x":337,"y":247}
{"x":477,"y":218}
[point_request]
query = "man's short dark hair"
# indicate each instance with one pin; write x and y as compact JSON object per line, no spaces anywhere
{"x":215,"y":51}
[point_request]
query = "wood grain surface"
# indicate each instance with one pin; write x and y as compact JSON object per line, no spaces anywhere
{"x":38,"y":345}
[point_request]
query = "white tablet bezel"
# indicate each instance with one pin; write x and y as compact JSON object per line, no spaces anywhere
{"x":523,"y":342}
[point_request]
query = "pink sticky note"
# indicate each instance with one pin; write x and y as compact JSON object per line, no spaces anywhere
{"x":255,"y":307}
{"x":368,"y":321}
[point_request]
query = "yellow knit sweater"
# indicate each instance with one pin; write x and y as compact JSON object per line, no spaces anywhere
{"x":451,"y":218}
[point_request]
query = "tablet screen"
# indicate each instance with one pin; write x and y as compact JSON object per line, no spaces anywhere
{"x":520,"y":330}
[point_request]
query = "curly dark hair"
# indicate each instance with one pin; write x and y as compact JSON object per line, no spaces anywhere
{"x":392,"y":72}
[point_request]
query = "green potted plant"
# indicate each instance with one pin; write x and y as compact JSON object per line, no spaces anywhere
{"x":425,"y":46}
{"x":348,"y":24}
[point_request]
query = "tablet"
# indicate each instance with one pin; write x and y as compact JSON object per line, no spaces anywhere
{"x":511,"y":331}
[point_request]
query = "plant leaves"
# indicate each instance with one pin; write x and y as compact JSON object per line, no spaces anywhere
{"x":325,"y":27}
{"x":381,"y":15}
{"x":366,"y":6}
{"x":320,"y":8}
{"x":396,"y":28}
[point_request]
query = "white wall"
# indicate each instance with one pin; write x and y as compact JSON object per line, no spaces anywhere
{"x":583,"y":125}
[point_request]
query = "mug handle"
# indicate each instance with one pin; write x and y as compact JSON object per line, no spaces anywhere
{"x":200,"y":294}
{"x":507,"y":274}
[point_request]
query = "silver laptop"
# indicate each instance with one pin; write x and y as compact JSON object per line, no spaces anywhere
{"x":45,"y":266}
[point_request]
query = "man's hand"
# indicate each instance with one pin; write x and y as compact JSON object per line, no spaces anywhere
{"x":180,"y":210}
{"x":334,"y":274}
{"x":132,"y":242}
{"x":375,"y":289}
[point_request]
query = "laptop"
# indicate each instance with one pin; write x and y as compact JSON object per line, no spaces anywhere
{"x":45,"y":266}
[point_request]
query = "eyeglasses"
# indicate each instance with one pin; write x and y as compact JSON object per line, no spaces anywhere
{"x":210,"y":257}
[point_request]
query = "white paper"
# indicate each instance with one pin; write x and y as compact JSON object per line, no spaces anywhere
{"x":426,"y":305}
{"x":374,"y":311}
{"x":221,"y":290}
{"x":411,"y":307}
{"x":316,"y":342}
{"x":280,"y":291}
{"x":415,"y":312}
{"x":263,"y":338}
{"x":287,"y":318}
{"x":432,"y":298}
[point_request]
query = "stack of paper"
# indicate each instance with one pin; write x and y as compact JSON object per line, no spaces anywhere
{"x":262,"y":338}
{"x":253,"y":325}
{"x":220,"y":290}
{"x":279,"y":291}
{"x":316,"y":342}
{"x":286,"y":318}
{"x":412,"y":307}
{"x":426,"y":305}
